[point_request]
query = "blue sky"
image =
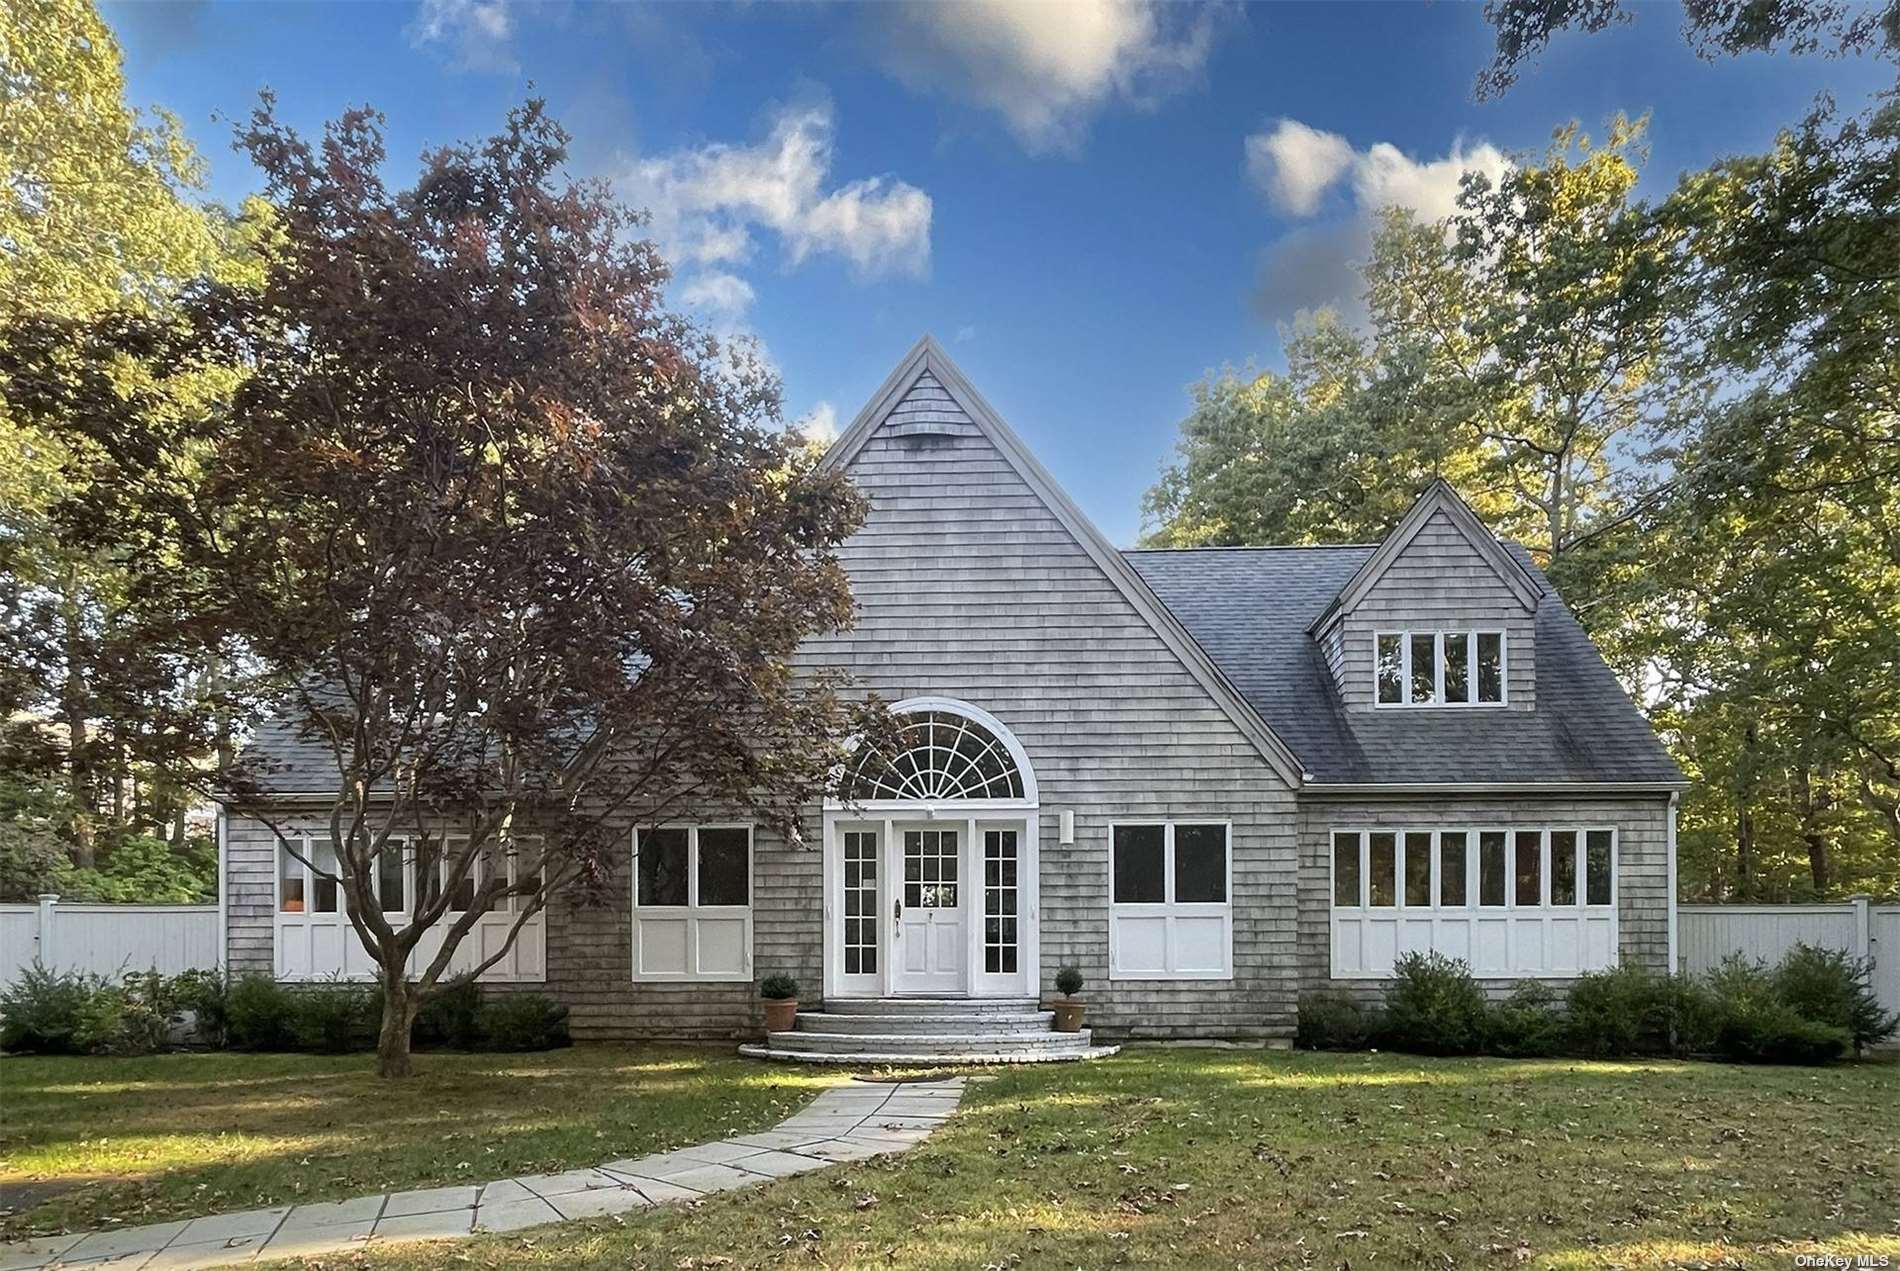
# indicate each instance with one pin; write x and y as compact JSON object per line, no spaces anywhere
{"x":1091,"y":204}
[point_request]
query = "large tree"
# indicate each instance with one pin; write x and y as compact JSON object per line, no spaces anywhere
{"x":523,"y":555}
{"x":99,"y":214}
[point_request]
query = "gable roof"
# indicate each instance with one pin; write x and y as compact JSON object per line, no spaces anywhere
{"x":929,"y":368}
{"x":1437,"y":498}
{"x":1252,"y":609}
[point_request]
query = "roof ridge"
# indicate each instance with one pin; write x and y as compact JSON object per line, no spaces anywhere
{"x":1257,"y":547}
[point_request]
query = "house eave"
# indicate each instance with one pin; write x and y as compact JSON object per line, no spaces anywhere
{"x":1491,"y":787}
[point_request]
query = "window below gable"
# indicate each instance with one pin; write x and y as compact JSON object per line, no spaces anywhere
{"x":1439,"y":668}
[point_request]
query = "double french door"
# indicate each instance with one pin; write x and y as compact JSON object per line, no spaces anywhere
{"x":938,"y":908}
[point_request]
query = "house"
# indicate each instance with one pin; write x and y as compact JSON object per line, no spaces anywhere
{"x":1211,"y":779}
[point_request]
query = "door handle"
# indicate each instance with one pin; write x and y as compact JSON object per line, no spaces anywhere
{"x":897,"y":916}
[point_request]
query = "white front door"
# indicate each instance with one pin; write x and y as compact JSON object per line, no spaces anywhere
{"x":930,"y":930}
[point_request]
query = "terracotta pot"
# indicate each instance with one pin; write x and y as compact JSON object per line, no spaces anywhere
{"x":1068,"y":1015}
{"x":779,"y":1014}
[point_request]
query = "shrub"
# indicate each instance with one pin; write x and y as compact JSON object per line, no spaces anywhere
{"x":331,"y":1017}
{"x":1433,"y":1006}
{"x":1525,"y":1024}
{"x":523,"y":1021}
{"x":1627,"y":1010}
{"x":203,"y":994}
{"x":1069,"y":981}
{"x":778,"y":988}
{"x":450,"y":1016}
{"x":40,"y":1011}
{"x":1331,"y":1020}
{"x":258,"y":1014}
{"x":1756,"y":1024}
{"x":133,"y":1017}
{"x":1828,"y":986}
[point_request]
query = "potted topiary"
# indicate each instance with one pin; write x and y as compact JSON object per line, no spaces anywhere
{"x":1068,"y":1010}
{"x":780,"y":993}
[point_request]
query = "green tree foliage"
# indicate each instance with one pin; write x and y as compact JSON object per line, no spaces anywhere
{"x":99,"y":216}
{"x":1687,"y":411}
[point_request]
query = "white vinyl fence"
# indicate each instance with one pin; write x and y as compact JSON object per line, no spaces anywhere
{"x":109,"y":939}
{"x":1709,"y":933}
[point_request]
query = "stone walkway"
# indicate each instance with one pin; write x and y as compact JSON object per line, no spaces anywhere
{"x":847,"y":1123}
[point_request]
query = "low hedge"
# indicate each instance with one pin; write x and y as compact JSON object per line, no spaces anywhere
{"x":53,"y":1012}
{"x":1812,"y":1007}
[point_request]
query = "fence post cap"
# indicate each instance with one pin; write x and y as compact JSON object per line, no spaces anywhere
{"x":47,"y":897}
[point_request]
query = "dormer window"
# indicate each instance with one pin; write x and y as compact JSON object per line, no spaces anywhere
{"x":1439,"y":668}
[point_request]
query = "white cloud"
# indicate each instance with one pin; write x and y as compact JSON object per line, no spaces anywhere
{"x":722,"y":295}
{"x":1317,"y":266}
{"x":966,"y":333}
{"x":1047,"y":67}
{"x":705,"y":202}
{"x":819,"y":424}
{"x":479,"y":33}
{"x":1384,"y":177}
{"x":1296,"y":164}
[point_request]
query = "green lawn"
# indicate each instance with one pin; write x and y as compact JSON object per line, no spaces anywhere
{"x":1248,"y":1159}
{"x":85,"y":1140}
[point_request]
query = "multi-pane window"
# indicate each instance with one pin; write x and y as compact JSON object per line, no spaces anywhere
{"x":860,"y":902}
{"x":516,"y":860}
{"x":695,"y":867}
{"x":692,"y":902}
{"x":1438,"y":668}
{"x":1515,"y":868}
{"x":1000,"y":902}
{"x":1170,"y":914}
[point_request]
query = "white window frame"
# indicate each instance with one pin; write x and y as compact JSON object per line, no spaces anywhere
{"x":526,"y":961}
{"x":693,"y":912}
{"x":1472,"y":911}
{"x":1404,"y":636}
{"x":1169,"y":909}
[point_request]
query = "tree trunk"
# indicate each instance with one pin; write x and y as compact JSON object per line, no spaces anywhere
{"x":399,"y":1021}
{"x":72,"y":709}
{"x":1744,"y":853}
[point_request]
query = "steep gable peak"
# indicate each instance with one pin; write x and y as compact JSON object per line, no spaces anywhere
{"x":1437,"y":501}
{"x":933,"y":386}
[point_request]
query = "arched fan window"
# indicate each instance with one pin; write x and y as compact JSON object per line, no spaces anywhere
{"x":942,"y":756}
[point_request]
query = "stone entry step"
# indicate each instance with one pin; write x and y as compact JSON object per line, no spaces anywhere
{"x":990,"y":1022}
{"x":929,"y":1043}
{"x":927,"y":1007}
{"x":946,"y":1056}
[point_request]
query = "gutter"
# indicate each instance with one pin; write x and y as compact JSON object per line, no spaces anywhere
{"x":224,"y":898}
{"x":1672,"y":788}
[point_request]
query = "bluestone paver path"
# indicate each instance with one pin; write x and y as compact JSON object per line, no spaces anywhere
{"x":847,"y":1123}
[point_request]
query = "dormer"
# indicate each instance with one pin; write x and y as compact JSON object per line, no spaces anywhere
{"x":1440,"y":617}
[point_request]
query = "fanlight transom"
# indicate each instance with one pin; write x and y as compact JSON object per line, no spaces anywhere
{"x":941,"y":756}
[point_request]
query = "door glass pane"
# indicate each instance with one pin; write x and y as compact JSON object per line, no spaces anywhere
{"x":1457,"y":666}
{"x":1418,"y":869}
{"x":860,"y":902}
{"x":1597,"y":866}
{"x":662,"y":867}
{"x":1491,"y":868}
{"x":1390,"y":670}
{"x":323,"y":891}
{"x":930,"y":869}
{"x":1530,"y":868}
{"x":725,"y":867}
{"x":290,"y":897}
{"x":1346,"y":870}
{"x":1385,"y":851}
{"x":1490,"y":667}
{"x":389,"y":877}
{"x":1451,"y":867}
{"x":1424,"y":667}
{"x":1563,"y":867}
{"x":1138,"y":865}
{"x":1200,"y":864}
{"x":999,"y":902}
